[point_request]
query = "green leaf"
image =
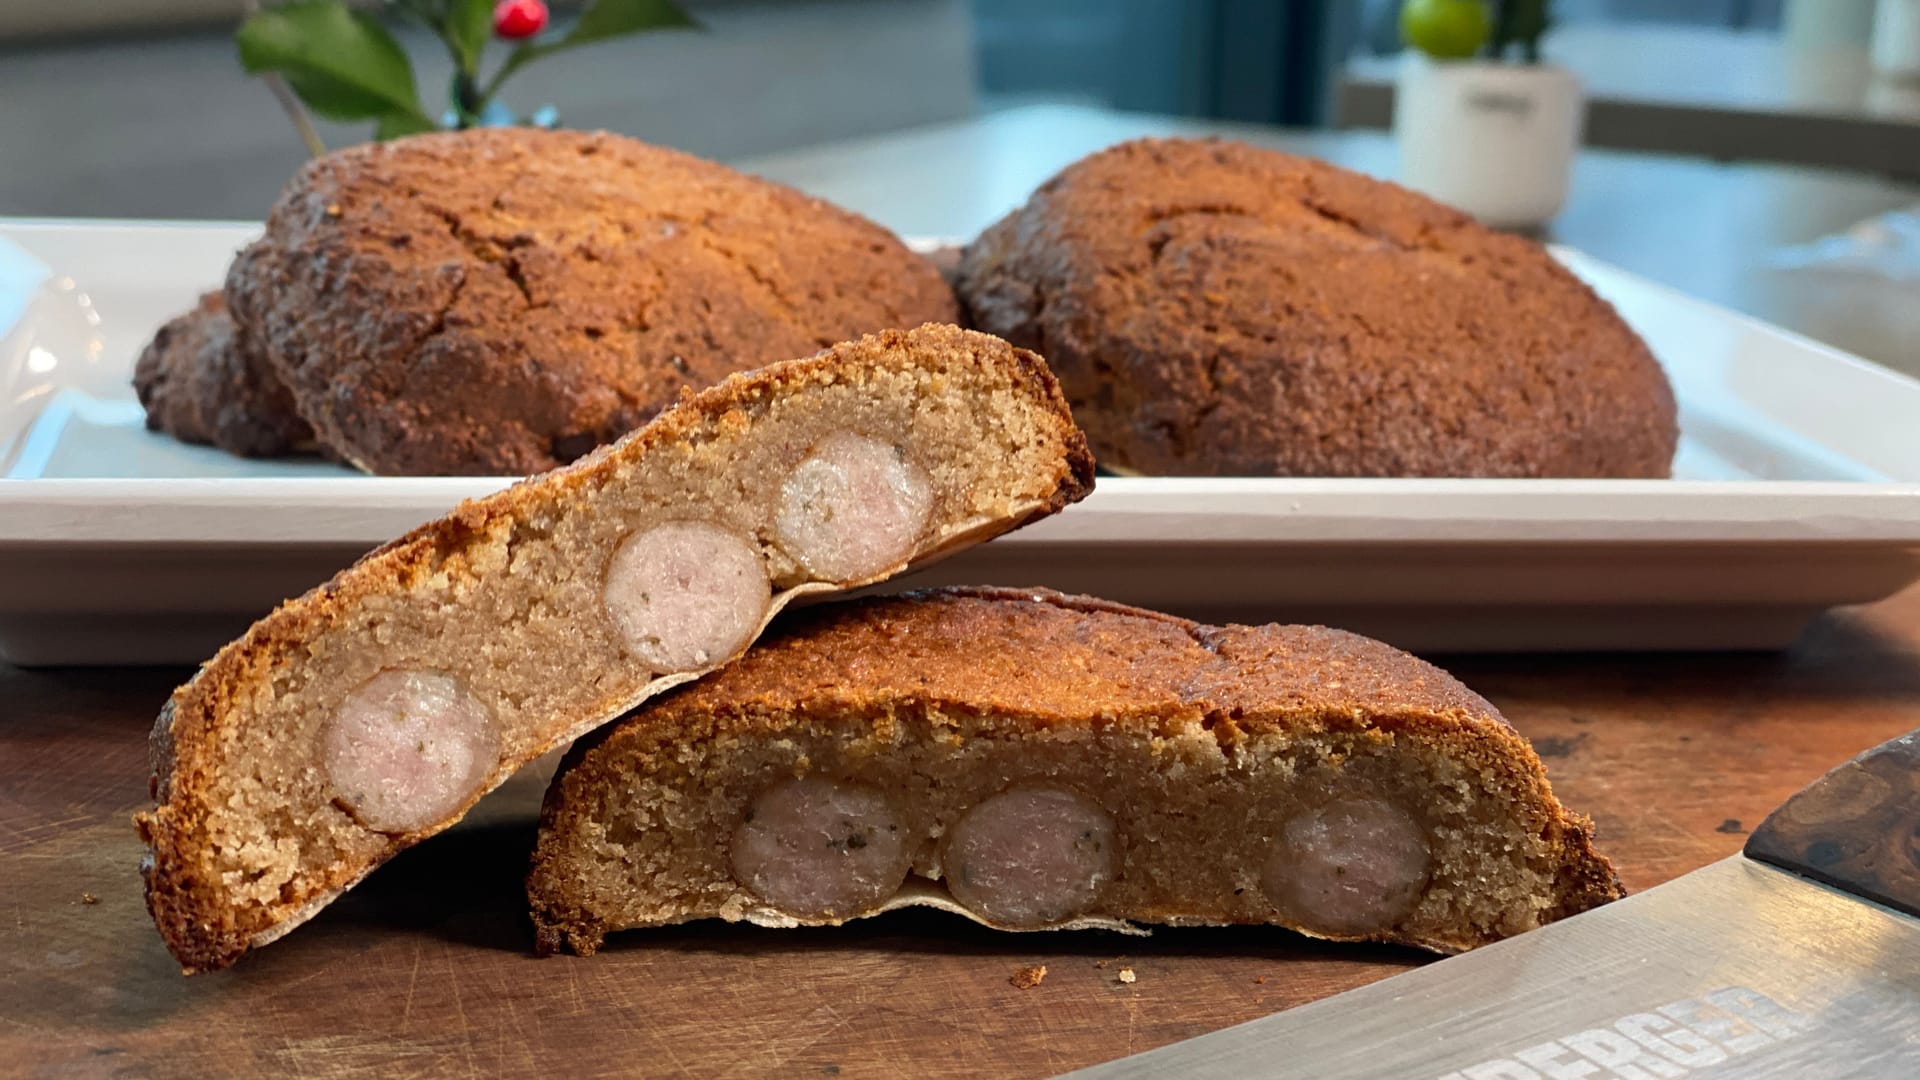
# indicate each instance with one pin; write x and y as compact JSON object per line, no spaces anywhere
{"x":342,"y":63}
{"x":428,"y":13}
{"x":395,"y":124}
{"x":469,"y":25}
{"x":605,"y":19}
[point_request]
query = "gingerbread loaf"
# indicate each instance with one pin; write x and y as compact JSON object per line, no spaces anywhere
{"x":1213,"y":308}
{"x":201,"y":381}
{"x":1034,"y":760}
{"x":499,"y":301}
{"x":372,"y":712}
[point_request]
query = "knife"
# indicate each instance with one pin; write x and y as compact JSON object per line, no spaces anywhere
{"x":1799,"y":957}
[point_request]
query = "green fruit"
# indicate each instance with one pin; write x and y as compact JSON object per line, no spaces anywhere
{"x":1445,"y":29}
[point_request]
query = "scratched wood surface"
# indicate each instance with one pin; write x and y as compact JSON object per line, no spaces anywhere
{"x":425,"y":969}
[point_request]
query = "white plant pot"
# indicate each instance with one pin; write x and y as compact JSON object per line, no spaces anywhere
{"x":1496,"y":140}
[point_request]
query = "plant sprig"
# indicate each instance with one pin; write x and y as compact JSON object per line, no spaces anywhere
{"x":344,"y":64}
{"x":1461,"y":29}
{"x":1522,"y":23}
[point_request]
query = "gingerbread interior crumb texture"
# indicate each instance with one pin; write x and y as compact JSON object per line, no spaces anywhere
{"x":1033,"y":760}
{"x":522,"y":619}
{"x":1217,"y":309}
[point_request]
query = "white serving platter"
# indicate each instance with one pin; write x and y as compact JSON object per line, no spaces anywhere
{"x":1797,"y":489}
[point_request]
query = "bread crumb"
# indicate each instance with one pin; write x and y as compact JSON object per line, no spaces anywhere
{"x":1027,"y":978}
{"x":89,"y":898}
{"x":1101,"y":964}
{"x":1126,"y":975}
{"x":1261,"y":979}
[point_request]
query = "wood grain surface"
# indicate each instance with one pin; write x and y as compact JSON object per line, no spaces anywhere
{"x":426,"y":969}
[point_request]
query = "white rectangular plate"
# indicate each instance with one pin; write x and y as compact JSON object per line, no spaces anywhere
{"x":1798,"y":488}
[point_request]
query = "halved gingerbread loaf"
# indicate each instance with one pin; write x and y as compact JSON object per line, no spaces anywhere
{"x":373,"y":711}
{"x":1035,"y":760}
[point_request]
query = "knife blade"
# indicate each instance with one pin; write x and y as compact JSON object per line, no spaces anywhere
{"x":1799,"y":957}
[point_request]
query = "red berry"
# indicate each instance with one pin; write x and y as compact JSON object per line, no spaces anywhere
{"x":516,"y":19}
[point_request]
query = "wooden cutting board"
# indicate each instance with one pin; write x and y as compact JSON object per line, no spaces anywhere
{"x":426,"y":969}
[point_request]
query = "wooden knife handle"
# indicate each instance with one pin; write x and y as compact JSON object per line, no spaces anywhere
{"x":1856,"y":828}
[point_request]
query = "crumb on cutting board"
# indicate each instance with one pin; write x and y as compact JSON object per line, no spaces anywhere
{"x":1127,"y":975}
{"x":89,"y":898}
{"x":1027,"y":978}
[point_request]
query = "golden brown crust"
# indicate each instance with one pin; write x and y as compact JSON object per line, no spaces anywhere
{"x":1039,"y":659}
{"x":1110,"y":659}
{"x":499,"y":301}
{"x":1214,"y":308}
{"x":202,"y":929}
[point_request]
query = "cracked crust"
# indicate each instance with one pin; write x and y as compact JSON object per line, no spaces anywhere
{"x":503,"y":300}
{"x":247,"y":838}
{"x":1199,"y":739}
{"x":201,"y":382}
{"x":1217,"y":309}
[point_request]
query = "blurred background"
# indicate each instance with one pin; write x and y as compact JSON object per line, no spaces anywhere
{"x":1763,"y":154}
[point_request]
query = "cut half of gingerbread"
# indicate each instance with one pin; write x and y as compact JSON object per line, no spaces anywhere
{"x":372,"y":712}
{"x":1033,"y":760}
